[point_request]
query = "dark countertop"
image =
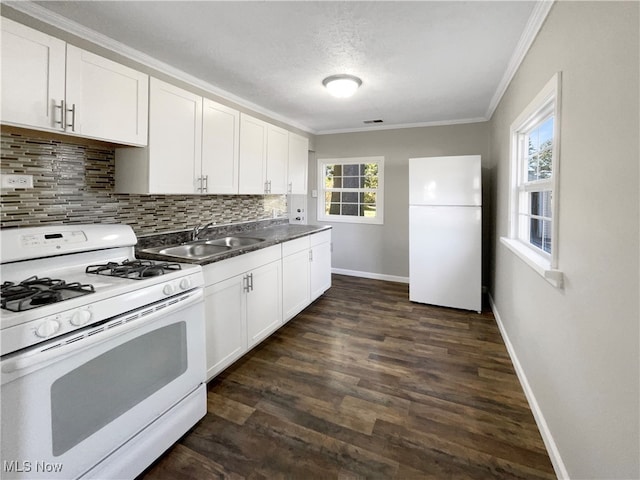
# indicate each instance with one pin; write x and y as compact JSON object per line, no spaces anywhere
{"x":273,"y":232}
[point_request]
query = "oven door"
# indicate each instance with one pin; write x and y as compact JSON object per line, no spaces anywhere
{"x":71,"y":402}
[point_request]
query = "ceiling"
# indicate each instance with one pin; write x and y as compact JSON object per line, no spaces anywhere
{"x":421,"y":62}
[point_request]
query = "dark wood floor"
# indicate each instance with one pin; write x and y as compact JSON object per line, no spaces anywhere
{"x":365,"y":384}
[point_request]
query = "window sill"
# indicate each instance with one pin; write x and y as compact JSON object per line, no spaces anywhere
{"x":540,"y":265}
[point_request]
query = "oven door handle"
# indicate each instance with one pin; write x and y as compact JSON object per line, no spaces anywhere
{"x":113,"y":328}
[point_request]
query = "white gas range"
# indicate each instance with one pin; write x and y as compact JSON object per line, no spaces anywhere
{"x":102,"y":355}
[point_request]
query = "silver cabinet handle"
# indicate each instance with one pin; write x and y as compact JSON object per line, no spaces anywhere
{"x":62,"y":112}
{"x":311,"y":255}
{"x":269,"y":186}
{"x":290,"y":188}
{"x":205,"y":184}
{"x":199,"y":184}
{"x":251,"y":281}
{"x":245,"y":283}
{"x":73,"y":117}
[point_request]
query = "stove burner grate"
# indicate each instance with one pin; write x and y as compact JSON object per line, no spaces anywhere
{"x":35,"y":292}
{"x":133,"y":269}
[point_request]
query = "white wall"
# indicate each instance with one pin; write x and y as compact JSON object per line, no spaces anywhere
{"x":578,"y":346}
{"x":383,"y":250}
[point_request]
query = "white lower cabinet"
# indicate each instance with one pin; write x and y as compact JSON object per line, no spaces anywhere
{"x":247,"y":297}
{"x":264,"y":302}
{"x":320,"y":263}
{"x":243,"y":305}
{"x":226,"y":323}
{"x":295,"y":277}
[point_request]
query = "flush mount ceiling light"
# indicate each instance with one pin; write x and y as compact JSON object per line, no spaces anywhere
{"x":342,"y":86}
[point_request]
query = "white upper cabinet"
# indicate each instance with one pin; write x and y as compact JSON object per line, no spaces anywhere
{"x":175,"y":135}
{"x":193,"y":146}
{"x":50,"y":85}
{"x":264,"y":156}
{"x":253,"y":155}
{"x":33,"y":76}
{"x":220,"y":142}
{"x":298,"y":164}
{"x":171,"y":163}
{"x":105,"y":99}
{"x":277,"y":159}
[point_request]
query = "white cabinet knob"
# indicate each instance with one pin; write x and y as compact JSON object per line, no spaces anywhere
{"x":47,"y":328}
{"x":168,"y":289}
{"x":185,"y":284}
{"x":80,"y":317}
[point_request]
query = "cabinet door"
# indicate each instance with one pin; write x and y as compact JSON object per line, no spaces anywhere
{"x":175,"y":138}
{"x":277,"y":159}
{"x":220,"y":143}
{"x":33,"y":76}
{"x":295,"y":283}
{"x":320,"y":273}
{"x":253,"y":155}
{"x":105,"y":99}
{"x":264,"y":302}
{"x":298,"y":164}
{"x":226,"y":329}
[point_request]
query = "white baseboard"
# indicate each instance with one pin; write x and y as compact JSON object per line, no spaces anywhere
{"x":375,"y":276}
{"x":547,"y":438}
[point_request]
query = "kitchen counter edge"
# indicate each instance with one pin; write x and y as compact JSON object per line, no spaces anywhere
{"x":272,"y":235}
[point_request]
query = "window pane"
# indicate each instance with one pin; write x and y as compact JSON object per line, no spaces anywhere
{"x":350,"y":182}
{"x":337,"y":170}
{"x":532,"y":168}
{"x":351,"y":197}
{"x":368,"y":211}
{"x":368,"y":197}
{"x":540,"y":234}
{"x":540,"y":204}
{"x":351,"y":170}
{"x":350,"y":209}
{"x":544,"y":163}
{"x":539,"y":153}
{"x":545,"y":134}
{"x":333,"y":209}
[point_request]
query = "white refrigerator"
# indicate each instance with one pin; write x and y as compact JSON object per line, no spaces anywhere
{"x":445,"y":231}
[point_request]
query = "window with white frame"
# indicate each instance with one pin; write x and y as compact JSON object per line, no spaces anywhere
{"x":535,"y":140}
{"x":351,"y":189}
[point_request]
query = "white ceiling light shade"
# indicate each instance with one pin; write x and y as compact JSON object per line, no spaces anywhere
{"x":342,"y":86}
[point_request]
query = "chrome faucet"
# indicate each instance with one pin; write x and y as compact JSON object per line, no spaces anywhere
{"x":199,"y":228}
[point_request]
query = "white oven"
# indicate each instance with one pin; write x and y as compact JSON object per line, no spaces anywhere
{"x":104,"y":400}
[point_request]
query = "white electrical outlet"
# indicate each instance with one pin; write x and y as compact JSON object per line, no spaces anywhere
{"x":17,"y":181}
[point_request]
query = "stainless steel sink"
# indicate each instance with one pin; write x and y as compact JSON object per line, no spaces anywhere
{"x":235,"y":242}
{"x":203,"y":249}
{"x":193,"y":251}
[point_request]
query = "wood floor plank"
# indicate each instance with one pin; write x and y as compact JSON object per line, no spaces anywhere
{"x":365,"y":384}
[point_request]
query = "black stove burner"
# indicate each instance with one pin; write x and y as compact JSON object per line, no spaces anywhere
{"x":133,"y":269}
{"x":35,"y":292}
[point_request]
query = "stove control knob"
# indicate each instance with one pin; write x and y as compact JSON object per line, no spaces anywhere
{"x":47,"y":328}
{"x":185,"y":284}
{"x":168,"y":289}
{"x":80,"y":317}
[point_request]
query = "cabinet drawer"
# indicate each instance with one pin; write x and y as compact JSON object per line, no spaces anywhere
{"x":219,"y":271}
{"x":294,"y":246}
{"x":318,"y":238}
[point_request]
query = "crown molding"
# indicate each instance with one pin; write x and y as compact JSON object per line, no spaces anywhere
{"x":536,"y":19}
{"x":51,"y":18}
{"x":403,"y":125}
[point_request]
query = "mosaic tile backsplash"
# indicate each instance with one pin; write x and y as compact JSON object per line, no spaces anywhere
{"x":73,"y":183}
